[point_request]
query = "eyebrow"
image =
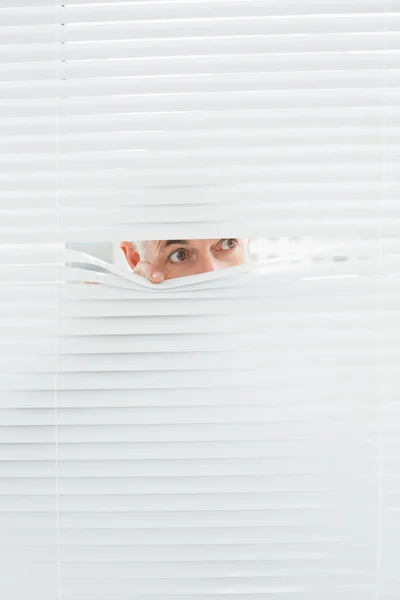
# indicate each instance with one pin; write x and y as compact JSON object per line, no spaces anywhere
{"x":172,"y":242}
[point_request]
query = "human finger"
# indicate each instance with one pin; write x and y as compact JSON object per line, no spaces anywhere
{"x":150,"y":271}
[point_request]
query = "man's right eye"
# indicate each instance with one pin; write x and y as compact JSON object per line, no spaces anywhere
{"x":179,"y":255}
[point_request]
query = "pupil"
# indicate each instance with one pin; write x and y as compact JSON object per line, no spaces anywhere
{"x":231,"y":243}
{"x":181,"y":255}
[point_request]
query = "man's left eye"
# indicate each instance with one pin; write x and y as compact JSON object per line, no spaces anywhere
{"x":228,"y":244}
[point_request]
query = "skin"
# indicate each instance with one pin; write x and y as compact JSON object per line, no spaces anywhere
{"x":159,"y":260}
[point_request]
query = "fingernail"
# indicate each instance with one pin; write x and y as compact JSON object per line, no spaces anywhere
{"x":157,"y":275}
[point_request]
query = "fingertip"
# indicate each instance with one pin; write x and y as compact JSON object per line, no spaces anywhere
{"x":157,"y":277}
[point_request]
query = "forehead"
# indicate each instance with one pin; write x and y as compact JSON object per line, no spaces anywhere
{"x":160,"y":245}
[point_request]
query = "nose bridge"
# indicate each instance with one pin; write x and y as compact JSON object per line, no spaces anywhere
{"x":209,"y":262}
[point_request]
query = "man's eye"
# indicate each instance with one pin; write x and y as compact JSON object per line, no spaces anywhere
{"x":179,"y":256}
{"x":229,"y":244}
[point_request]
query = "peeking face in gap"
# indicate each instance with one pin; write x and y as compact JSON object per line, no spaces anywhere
{"x":158,"y":260}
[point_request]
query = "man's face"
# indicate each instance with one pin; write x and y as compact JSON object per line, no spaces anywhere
{"x":179,"y":258}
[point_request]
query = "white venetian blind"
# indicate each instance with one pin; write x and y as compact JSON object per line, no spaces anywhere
{"x":157,"y":117}
{"x":230,"y":437}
